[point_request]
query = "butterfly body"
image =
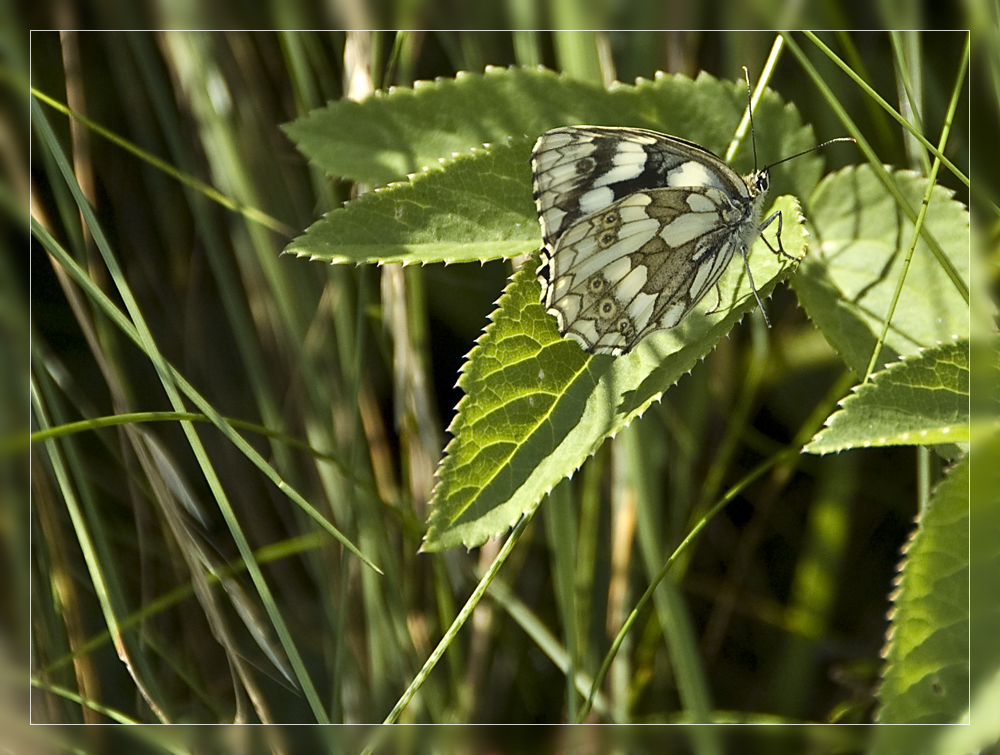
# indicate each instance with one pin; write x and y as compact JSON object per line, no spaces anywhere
{"x":637,"y":226}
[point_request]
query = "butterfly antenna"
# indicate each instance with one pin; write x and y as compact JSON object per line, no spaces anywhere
{"x":811,"y":149}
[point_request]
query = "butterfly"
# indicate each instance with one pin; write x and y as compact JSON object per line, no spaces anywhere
{"x":637,"y":227}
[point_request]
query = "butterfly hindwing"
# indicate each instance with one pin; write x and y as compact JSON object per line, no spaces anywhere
{"x":637,"y":226}
{"x":639,"y":265}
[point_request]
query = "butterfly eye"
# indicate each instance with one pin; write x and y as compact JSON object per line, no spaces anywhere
{"x":624,"y":326}
{"x":606,"y":240}
{"x":596,"y":284}
{"x":763,"y":181}
{"x":610,"y":219}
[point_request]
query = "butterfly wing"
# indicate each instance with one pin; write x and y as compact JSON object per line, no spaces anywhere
{"x":580,"y":170}
{"x":637,"y":226}
{"x":638,"y":266}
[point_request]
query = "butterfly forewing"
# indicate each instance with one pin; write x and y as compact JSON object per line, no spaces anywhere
{"x":579,"y":170}
{"x":637,"y":227}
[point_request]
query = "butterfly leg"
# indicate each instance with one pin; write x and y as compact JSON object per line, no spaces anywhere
{"x":781,"y":249}
{"x":746,"y":264}
{"x":718,"y":300}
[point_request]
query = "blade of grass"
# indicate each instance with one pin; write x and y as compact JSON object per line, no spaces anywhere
{"x":788,"y":455}
{"x":562,"y":535}
{"x":919,"y":223}
{"x":104,"y":583}
{"x":174,"y":386}
{"x":250,"y":213}
{"x":675,"y":621}
{"x":876,"y":163}
{"x":456,"y":626}
{"x":868,"y":90}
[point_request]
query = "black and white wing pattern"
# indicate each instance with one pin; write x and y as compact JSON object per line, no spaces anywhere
{"x":637,"y":226}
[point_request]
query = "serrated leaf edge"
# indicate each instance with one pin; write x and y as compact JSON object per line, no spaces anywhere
{"x":842,"y":404}
{"x":750,"y":305}
{"x":897,"y":587}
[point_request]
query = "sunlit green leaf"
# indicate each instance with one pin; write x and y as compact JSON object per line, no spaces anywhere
{"x":537,"y":405}
{"x":467,"y":201}
{"x":926,"y":677}
{"x":393,"y":134}
{"x":478,"y":207}
{"x":861,"y":237}
{"x":922,"y":400}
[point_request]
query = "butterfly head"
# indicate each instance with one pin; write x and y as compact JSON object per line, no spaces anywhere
{"x":758,"y":183}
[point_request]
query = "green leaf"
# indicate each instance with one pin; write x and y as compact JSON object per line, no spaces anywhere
{"x":537,"y":405}
{"x":391,"y":135}
{"x":923,"y":399}
{"x":926,"y":676}
{"x":984,"y":571}
{"x":477,"y":205}
{"x":984,"y":559}
{"x":846,"y":283}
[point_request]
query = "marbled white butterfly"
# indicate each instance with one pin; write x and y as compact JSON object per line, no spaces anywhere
{"x":637,"y":226}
